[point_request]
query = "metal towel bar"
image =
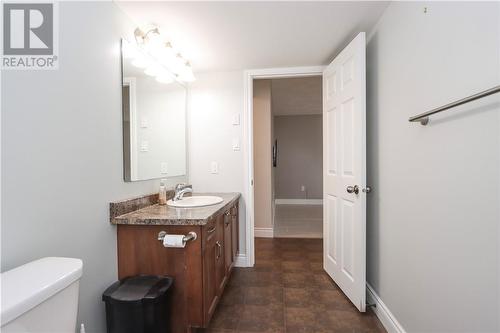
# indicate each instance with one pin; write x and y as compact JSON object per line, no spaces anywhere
{"x":423,"y":118}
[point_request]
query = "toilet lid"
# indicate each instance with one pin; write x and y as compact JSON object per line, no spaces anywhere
{"x":26,"y":286}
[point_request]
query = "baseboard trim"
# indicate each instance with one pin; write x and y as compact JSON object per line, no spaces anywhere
{"x":298,"y":201}
{"x":383,"y":313}
{"x":241,"y":260}
{"x":264,"y":232}
{"x":281,"y":234}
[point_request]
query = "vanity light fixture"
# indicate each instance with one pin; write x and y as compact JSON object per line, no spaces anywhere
{"x":152,"y":52}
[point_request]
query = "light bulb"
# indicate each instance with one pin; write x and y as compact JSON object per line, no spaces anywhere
{"x":178,"y":65}
{"x":140,"y":61}
{"x":187,"y":77}
{"x":164,"y":78}
{"x":166,"y":54}
{"x":154,"y":44}
{"x":153,"y":70}
{"x":186,"y":73}
{"x":172,"y":65}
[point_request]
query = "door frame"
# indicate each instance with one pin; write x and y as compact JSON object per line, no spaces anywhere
{"x":248,"y":77}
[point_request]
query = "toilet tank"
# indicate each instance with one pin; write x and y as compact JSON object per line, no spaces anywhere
{"x":41,"y":296}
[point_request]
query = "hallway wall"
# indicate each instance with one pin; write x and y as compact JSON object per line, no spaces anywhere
{"x":300,"y":157}
{"x":433,"y":215}
{"x":262,"y":134}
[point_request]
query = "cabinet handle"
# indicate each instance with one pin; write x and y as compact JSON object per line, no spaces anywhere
{"x":219,"y":251}
{"x":211,"y":230}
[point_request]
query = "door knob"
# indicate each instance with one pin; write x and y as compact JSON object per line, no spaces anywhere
{"x":367,"y":189}
{"x":353,"y":189}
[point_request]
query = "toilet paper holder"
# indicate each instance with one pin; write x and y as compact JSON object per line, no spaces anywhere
{"x":190,"y":236}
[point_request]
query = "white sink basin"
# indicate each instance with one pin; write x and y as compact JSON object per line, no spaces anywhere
{"x":195,"y":201}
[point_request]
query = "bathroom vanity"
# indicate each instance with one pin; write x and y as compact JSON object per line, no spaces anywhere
{"x":154,"y":147}
{"x":201,"y":269}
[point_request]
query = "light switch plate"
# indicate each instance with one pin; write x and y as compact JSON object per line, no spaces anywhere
{"x":236,"y":144}
{"x":236,"y":119}
{"x":144,"y":123}
{"x":144,"y":146}
{"x":163,"y":168}
{"x":214,"y":167}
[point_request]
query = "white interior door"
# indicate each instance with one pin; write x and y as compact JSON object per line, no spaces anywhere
{"x":344,"y":170}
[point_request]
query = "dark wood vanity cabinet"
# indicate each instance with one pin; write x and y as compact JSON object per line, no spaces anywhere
{"x":228,"y":239}
{"x":210,"y":284}
{"x":201,"y":270}
{"x":234,"y":232}
{"x":214,"y":275}
{"x":220,"y":270}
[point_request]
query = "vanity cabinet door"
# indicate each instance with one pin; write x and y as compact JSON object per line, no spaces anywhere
{"x":210,"y":286}
{"x":234,"y":230}
{"x":220,"y":269}
{"x":228,"y":249}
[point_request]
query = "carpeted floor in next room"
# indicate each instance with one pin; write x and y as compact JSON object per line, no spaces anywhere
{"x":288,"y":291}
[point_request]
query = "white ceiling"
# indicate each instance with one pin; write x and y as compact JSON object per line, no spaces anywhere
{"x":296,"y":96}
{"x":223,"y":36}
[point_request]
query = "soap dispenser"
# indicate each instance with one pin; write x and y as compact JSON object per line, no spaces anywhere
{"x":162,"y":194}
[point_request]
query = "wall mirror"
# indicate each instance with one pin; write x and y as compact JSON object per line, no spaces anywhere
{"x":154,"y":124}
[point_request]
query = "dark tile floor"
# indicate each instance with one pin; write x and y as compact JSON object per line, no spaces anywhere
{"x":288,"y":291}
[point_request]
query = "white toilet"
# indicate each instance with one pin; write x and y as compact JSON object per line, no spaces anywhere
{"x":41,"y":296}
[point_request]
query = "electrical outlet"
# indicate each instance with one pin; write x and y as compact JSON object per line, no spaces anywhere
{"x":303,"y":188}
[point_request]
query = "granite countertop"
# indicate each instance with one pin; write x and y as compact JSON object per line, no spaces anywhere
{"x":166,"y":215}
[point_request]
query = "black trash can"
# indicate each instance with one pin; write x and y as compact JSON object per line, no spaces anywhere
{"x":138,"y":304}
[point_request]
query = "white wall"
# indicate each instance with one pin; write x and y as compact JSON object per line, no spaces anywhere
{"x":434,"y":211}
{"x":215,"y":98}
{"x":62,"y":154}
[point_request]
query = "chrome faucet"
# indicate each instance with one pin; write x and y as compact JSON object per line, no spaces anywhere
{"x":180,"y":190}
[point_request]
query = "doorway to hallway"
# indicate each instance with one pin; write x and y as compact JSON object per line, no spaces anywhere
{"x":288,"y":157}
